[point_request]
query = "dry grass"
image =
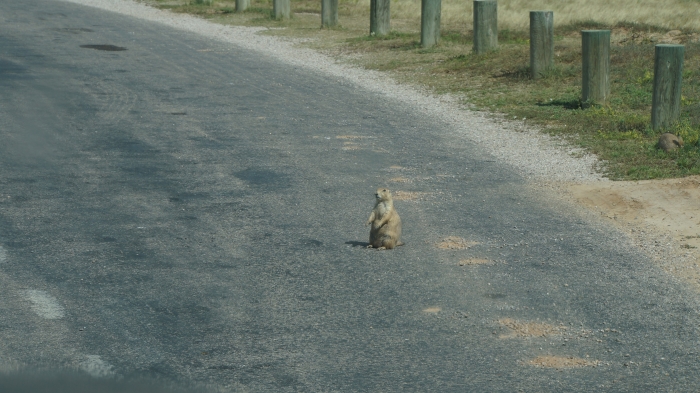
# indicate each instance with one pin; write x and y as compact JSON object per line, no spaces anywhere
{"x":549,"y":361}
{"x":530,"y":329}
{"x":409,"y":195}
{"x":475,"y":261}
{"x":513,"y":14}
{"x":454,"y":243}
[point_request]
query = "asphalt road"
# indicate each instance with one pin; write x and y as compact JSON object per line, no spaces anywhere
{"x":184,"y":210}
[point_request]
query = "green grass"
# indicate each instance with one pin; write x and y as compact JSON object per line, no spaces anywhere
{"x":618,"y":132}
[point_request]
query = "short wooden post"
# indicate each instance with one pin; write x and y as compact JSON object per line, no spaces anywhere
{"x":668,"y":75}
{"x":242,"y":5}
{"x":379,"y":17}
{"x":329,"y":13}
{"x":430,"y":22}
{"x":541,"y":42}
{"x":485,"y":26}
{"x":596,"y":66}
{"x":281,"y":9}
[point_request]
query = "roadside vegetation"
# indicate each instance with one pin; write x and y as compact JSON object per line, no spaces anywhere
{"x":618,"y":132}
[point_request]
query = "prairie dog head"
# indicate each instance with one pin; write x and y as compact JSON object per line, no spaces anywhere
{"x":383,"y":194}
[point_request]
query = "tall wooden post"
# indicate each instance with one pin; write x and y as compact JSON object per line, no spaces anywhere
{"x":430,"y":22}
{"x":281,"y":9}
{"x":541,"y":42}
{"x":329,"y":13}
{"x":379,"y":17}
{"x":668,"y":76}
{"x":485,"y":26}
{"x":242,"y":5}
{"x":596,"y":66}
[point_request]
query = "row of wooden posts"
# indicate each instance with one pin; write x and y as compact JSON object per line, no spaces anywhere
{"x":668,"y":63}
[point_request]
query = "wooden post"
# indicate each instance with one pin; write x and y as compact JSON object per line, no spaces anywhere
{"x":379,"y":17}
{"x":485,"y":26}
{"x":541,"y":42}
{"x":430,"y":22}
{"x":329,"y":13}
{"x":242,"y":5}
{"x":281,"y":9}
{"x":668,"y":75}
{"x":596,"y":66}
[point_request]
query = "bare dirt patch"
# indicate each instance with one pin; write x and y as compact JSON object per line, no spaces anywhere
{"x":399,"y":180}
{"x":455,"y":243}
{"x":530,"y":329}
{"x":550,"y":361}
{"x":475,"y":261}
{"x":409,"y":195}
{"x":661,"y":216}
{"x":350,"y":146}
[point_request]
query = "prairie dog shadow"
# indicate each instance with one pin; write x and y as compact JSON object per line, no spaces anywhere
{"x":355,"y":243}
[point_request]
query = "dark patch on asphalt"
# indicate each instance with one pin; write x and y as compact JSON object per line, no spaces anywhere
{"x":226,"y":265}
{"x":106,"y":239}
{"x":12,"y":244}
{"x":285,"y":380}
{"x":312,"y":242}
{"x":19,"y":198}
{"x":73,"y":30}
{"x":208,"y":143}
{"x":72,"y":382}
{"x":223,"y":367}
{"x":132,"y":146}
{"x":8,"y":67}
{"x":178,"y":113}
{"x":264,"y":178}
{"x":105,"y":47}
{"x":177,"y":312}
{"x":187,"y":197}
{"x":43,"y":15}
{"x":27,"y":180}
{"x":494,"y":295}
{"x":142,"y":170}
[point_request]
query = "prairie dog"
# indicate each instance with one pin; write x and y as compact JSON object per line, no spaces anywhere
{"x":385,"y":232}
{"x":668,"y":142}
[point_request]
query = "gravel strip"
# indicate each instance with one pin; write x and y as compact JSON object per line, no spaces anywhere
{"x":535,"y":155}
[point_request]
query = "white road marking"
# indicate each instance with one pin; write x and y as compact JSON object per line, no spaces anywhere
{"x":3,"y":255}
{"x":96,"y":367}
{"x":45,"y":305}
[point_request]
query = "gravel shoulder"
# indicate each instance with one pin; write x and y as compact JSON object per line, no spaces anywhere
{"x":657,"y":215}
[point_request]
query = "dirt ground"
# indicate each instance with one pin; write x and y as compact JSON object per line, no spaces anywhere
{"x":661,"y":216}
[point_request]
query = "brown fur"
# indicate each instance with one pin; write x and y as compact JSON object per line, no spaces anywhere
{"x":385,"y":232}
{"x":668,"y":142}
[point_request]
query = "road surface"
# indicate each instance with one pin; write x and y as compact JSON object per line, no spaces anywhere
{"x":180,"y":209}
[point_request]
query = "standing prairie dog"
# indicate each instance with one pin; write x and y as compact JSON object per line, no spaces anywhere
{"x":385,"y":232}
